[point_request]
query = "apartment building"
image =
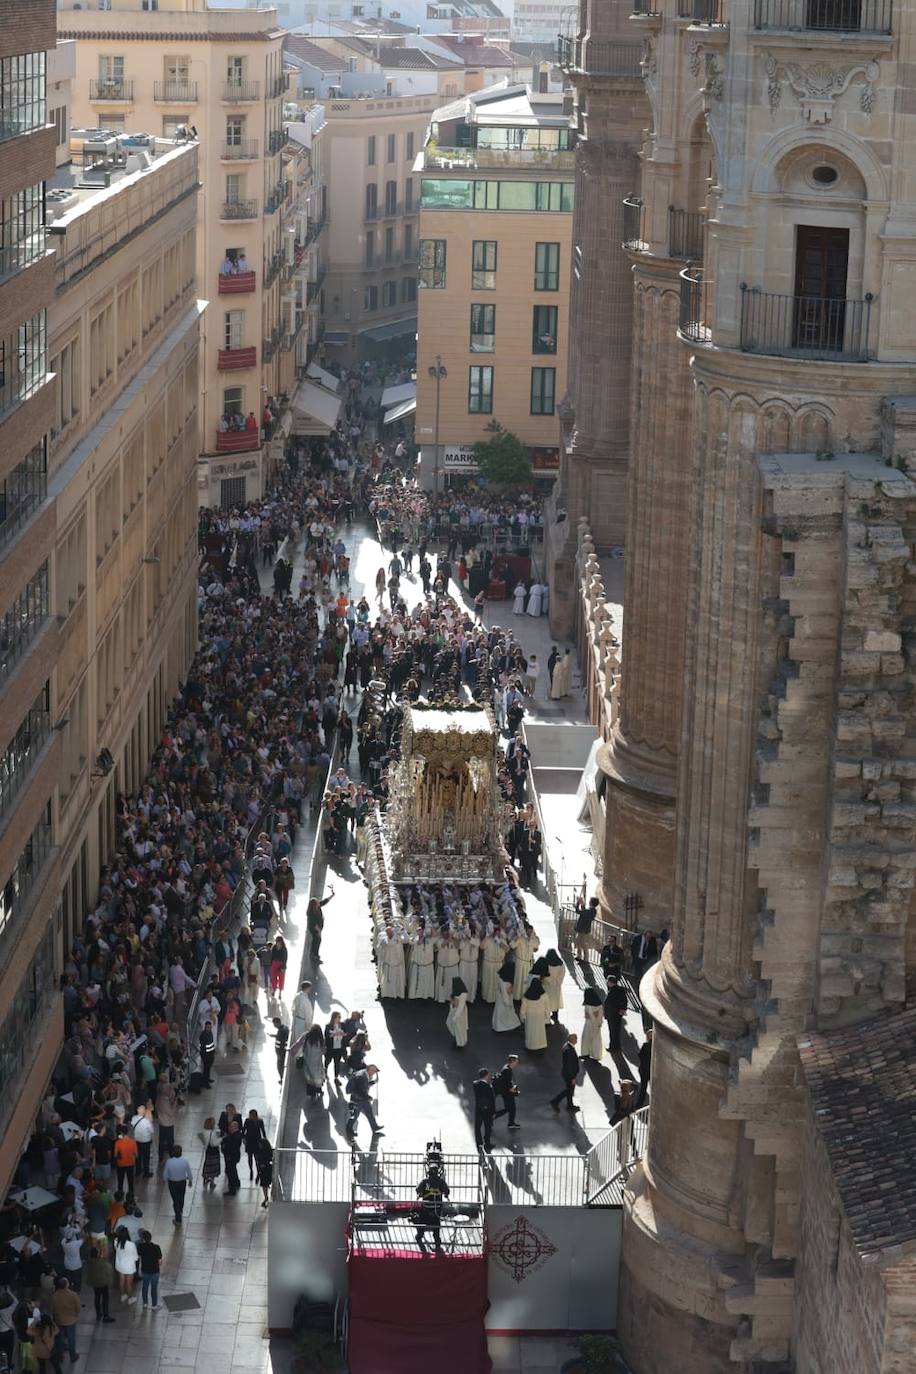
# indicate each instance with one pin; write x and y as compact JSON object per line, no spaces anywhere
{"x":218,"y":72}
{"x":370,"y":291}
{"x":30,"y":1017}
{"x":496,"y":204}
{"x":123,"y":340}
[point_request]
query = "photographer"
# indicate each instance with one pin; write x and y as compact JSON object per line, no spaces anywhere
{"x":432,"y":1190}
{"x":504,"y":1086}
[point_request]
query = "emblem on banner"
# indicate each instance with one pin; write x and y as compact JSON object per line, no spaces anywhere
{"x":520,"y":1248}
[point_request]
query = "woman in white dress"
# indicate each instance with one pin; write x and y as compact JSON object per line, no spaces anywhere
{"x":494,"y":951}
{"x":534,"y":599}
{"x":469,"y":963}
{"x":448,"y":959}
{"x":421,"y":976}
{"x":504,"y":1017}
{"x":535,"y":1013}
{"x":456,"y":1023}
{"x":523,"y":951}
{"x":593,"y":1011}
{"x":518,"y":606}
{"x":554,"y":984}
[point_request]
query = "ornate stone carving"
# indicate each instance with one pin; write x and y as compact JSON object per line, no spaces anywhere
{"x":714,"y":86}
{"x":819,"y":85}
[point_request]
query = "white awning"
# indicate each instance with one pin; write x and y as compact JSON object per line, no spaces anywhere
{"x":398,"y":412}
{"x":393,"y":395}
{"x":325,"y":379}
{"x":315,"y":409}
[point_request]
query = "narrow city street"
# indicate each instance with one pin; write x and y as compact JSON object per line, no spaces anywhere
{"x":214,"y":1272}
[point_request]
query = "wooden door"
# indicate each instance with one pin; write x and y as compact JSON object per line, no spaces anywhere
{"x":821,"y":263}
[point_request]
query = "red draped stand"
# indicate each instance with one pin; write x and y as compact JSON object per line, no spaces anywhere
{"x":412,"y":1314}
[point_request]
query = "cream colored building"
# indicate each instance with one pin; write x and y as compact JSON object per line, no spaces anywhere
{"x":220,"y":73}
{"x":494,"y":277}
{"x":370,"y":292}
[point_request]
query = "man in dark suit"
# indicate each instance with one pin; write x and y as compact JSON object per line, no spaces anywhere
{"x":645,"y":1068}
{"x":504,"y":1087}
{"x":644,"y":950}
{"x":615,"y":1006}
{"x":570,"y":1071}
{"x":484,"y":1111}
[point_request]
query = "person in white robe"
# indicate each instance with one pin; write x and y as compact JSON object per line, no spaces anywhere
{"x":524,"y":948}
{"x":421,"y":975}
{"x":562,"y":674}
{"x":535,"y":1013}
{"x":469,"y":963}
{"x":456,"y":1023}
{"x":534,"y":599}
{"x":518,"y":606}
{"x":303,"y":1011}
{"x":553,"y":985}
{"x":494,"y":951}
{"x":392,"y":970}
{"x":593,"y":1011}
{"x":448,"y":958}
{"x":504,"y":1016}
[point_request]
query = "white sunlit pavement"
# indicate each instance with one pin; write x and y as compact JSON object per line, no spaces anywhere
{"x":218,"y":1256}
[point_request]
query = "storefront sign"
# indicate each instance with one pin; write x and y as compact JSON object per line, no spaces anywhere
{"x":459,"y":459}
{"x":545,"y":459}
{"x":237,"y":468}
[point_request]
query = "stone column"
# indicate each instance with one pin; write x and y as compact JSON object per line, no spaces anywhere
{"x":611,"y":113}
{"x":702,"y":1184}
{"x":640,"y":761}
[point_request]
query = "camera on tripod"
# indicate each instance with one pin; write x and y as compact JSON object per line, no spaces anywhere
{"x":434,"y":1160}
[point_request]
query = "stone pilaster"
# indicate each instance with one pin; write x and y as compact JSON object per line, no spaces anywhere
{"x":611,"y":113}
{"x":641,"y":760}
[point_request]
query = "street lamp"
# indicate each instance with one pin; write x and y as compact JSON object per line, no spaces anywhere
{"x":438,"y":372}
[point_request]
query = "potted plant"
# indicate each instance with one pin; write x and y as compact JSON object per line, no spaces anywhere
{"x":316,"y":1353}
{"x":597,"y":1355}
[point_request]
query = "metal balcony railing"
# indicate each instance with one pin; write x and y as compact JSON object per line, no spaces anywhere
{"x":275,"y":199}
{"x":269,"y":346}
{"x":696,"y":306}
{"x":685,"y":234}
{"x":175,"y":92}
{"x":599,"y":58}
{"x":240,"y":92}
{"x":273,"y":267}
{"x":805,"y":326}
{"x":236,"y":357}
{"x":245,"y":151}
{"x":632,"y":224}
{"x":275,"y":87}
{"x":644,"y":9}
{"x":111,"y":88}
{"x":825,"y":16}
{"x":239,"y":209}
{"x":313,"y":287}
{"x":708,"y":12}
{"x":275,"y":140}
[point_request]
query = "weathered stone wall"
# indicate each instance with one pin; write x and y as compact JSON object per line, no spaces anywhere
{"x":841,"y":1308}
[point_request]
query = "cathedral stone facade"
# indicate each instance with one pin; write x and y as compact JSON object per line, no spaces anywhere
{"x":761,"y":772}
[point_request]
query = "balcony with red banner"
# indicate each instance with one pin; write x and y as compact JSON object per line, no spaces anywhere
{"x":236,"y":283}
{"x":235,"y":359}
{"x":238,"y":440}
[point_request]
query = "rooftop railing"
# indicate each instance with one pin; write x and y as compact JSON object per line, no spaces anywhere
{"x":632,"y":224}
{"x":696,"y":306}
{"x":685,"y":234}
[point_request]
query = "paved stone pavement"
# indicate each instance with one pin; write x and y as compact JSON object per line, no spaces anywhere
{"x":219,"y":1254}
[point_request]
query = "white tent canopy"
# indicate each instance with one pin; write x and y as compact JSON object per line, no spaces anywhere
{"x":399,"y":411}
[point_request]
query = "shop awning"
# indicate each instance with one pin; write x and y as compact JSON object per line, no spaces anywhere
{"x":382,"y":332}
{"x":399,"y":411}
{"x":325,"y":379}
{"x":394,"y":395}
{"x":315,"y":409}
